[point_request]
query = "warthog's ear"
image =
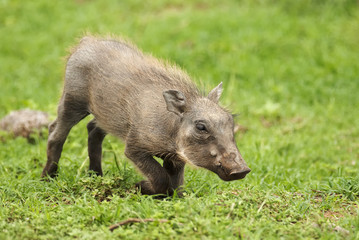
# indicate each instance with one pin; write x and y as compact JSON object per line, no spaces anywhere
{"x":215,"y":94}
{"x":176,"y":101}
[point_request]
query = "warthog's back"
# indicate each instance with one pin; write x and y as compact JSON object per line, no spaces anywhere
{"x":122,"y":85}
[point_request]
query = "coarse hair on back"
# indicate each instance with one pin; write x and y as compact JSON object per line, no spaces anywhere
{"x":163,"y":68}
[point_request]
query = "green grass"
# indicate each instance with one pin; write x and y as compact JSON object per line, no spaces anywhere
{"x":289,"y":68}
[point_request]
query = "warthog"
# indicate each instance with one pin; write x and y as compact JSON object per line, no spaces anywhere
{"x":153,"y":106}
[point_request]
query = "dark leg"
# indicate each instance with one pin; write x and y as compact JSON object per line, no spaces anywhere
{"x":159,"y":181}
{"x":68,"y":116}
{"x":95,"y":139}
{"x":175,"y":169}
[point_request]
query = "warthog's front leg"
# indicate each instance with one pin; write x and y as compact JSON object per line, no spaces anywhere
{"x":175,"y":169}
{"x":158,"y":180}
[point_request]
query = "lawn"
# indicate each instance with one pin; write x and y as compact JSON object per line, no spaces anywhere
{"x":290,"y":69}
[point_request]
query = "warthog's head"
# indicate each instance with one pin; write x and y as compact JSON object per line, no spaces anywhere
{"x":205,"y":137}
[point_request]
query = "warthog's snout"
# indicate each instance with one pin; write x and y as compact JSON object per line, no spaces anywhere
{"x":232,"y":167}
{"x":239,"y":173}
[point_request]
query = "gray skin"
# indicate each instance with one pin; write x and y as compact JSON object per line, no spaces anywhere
{"x":154,"y":107}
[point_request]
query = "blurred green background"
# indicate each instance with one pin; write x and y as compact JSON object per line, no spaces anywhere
{"x":289,"y":68}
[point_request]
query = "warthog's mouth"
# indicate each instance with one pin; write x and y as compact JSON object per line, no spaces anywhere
{"x":232,"y":172}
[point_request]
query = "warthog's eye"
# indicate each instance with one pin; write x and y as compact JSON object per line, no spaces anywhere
{"x":201,"y":127}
